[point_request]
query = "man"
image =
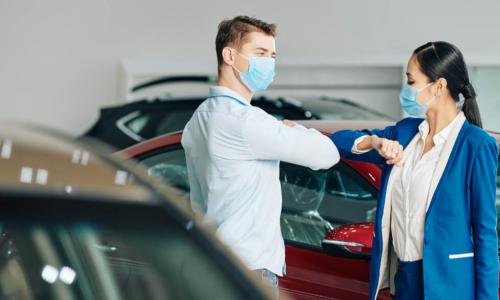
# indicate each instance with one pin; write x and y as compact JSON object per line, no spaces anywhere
{"x":233,"y":150}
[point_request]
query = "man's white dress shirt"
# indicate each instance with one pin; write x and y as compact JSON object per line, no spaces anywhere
{"x":233,"y":150}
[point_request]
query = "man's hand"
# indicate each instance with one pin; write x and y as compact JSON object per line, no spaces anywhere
{"x":289,"y":123}
{"x":392,"y":151}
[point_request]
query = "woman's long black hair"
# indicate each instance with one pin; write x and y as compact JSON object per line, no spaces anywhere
{"x":444,"y":60}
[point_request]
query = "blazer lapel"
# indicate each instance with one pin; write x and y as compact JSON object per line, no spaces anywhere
{"x":411,"y":146}
{"x":385,"y":274}
{"x":444,"y":158}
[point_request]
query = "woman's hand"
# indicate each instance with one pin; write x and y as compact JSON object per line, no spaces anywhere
{"x":391,"y":151}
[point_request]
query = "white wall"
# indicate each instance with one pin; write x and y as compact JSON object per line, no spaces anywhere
{"x":59,"y":59}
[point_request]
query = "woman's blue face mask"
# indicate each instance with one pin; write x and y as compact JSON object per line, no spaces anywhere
{"x":409,"y":103}
{"x":260,"y":74}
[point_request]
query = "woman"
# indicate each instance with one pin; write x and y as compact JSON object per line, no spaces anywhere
{"x":435,"y":232}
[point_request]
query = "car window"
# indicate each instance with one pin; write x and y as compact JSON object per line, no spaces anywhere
{"x":169,"y":166}
{"x":316,"y":201}
{"x":172,"y":121}
{"x":330,"y":109}
{"x":313,"y":201}
{"x":150,"y":124}
{"x":137,"y":124}
{"x":279,"y":112}
{"x":84,"y":259}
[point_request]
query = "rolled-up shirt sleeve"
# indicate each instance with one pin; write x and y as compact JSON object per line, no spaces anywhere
{"x":270,"y":139}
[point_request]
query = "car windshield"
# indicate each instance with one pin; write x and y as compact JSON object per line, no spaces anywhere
{"x":134,"y":255}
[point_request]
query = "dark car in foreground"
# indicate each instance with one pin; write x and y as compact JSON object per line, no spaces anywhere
{"x":327,"y":217}
{"x":76,"y":224}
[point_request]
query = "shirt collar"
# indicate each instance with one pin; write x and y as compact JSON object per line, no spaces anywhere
{"x":222,"y":91}
{"x":442,"y":135}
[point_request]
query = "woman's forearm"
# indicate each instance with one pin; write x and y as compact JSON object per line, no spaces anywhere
{"x":367,"y":143}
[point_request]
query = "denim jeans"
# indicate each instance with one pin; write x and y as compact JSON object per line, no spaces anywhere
{"x":270,"y":279}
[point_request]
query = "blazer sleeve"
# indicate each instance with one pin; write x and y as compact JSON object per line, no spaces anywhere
{"x":344,"y":140}
{"x":484,"y":219}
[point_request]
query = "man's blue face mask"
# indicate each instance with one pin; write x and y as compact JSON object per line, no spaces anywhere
{"x":260,"y":72}
{"x":409,"y":103}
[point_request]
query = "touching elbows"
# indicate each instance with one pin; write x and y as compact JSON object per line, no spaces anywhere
{"x":326,"y":155}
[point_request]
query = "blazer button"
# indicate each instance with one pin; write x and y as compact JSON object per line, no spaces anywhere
{"x":427,"y":241}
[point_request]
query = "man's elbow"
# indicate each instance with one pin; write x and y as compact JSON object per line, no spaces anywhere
{"x":328,"y":158}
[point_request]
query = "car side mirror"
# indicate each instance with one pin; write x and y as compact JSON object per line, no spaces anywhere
{"x":350,"y":241}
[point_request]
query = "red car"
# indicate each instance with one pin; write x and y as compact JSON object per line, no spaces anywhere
{"x":327,"y":217}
